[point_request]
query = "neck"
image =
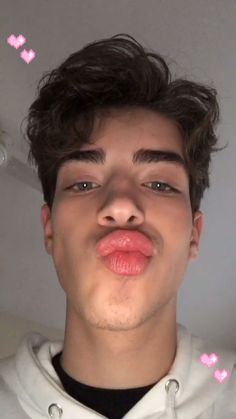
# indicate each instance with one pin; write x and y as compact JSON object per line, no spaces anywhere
{"x":120,"y":359}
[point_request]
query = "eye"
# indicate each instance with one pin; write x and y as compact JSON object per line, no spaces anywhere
{"x":77,"y":188}
{"x":81,"y":187}
{"x":166,"y":185}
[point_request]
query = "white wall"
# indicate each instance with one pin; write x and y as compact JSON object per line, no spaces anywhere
{"x":13,"y":328}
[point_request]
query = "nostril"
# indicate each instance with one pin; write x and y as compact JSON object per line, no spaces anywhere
{"x":109,"y":218}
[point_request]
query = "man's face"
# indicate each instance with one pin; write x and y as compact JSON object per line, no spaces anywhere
{"x":121,"y":196}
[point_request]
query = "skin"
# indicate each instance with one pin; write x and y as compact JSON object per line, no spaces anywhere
{"x":120,"y":331}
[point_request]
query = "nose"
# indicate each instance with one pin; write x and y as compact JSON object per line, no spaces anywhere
{"x":121,"y":211}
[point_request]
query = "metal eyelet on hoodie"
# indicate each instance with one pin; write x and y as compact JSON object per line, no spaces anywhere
{"x":171,"y":386}
{"x":55,"y":411}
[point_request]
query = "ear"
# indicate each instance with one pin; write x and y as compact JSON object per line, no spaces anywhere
{"x":47,"y":227}
{"x":196,"y":234}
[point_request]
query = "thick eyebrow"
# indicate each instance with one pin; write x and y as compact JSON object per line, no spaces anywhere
{"x":141,"y":156}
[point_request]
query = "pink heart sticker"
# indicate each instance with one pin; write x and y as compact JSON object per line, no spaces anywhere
{"x":209,"y":360}
{"x":16,"y":42}
{"x":220,"y":375}
{"x":27,"y":56}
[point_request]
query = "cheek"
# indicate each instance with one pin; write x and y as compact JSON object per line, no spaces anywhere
{"x":172,"y":217}
{"x":63,"y":232}
{"x":174,"y":224}
{"x":69,"y":236}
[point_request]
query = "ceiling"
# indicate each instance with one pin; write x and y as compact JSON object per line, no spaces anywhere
{"x":198,"y":40}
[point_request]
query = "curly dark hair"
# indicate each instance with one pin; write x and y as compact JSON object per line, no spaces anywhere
{"x":118,"y":73}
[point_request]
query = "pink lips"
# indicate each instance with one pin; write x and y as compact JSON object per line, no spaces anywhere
{"x":126,"y":241}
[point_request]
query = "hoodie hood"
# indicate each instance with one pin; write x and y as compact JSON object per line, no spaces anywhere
{"x":189,"y":390}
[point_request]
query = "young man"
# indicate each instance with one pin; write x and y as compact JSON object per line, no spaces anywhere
{"x":123,"y":155}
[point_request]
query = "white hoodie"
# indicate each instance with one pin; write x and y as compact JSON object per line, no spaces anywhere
{"x":31,"y":388}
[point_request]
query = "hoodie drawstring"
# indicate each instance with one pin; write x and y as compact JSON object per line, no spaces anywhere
{"x":171,"y":386}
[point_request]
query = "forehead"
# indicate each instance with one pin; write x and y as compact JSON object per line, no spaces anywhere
{"x":124,"y":129}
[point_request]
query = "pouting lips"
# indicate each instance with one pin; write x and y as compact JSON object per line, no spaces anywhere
{"x":126,"y":263}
